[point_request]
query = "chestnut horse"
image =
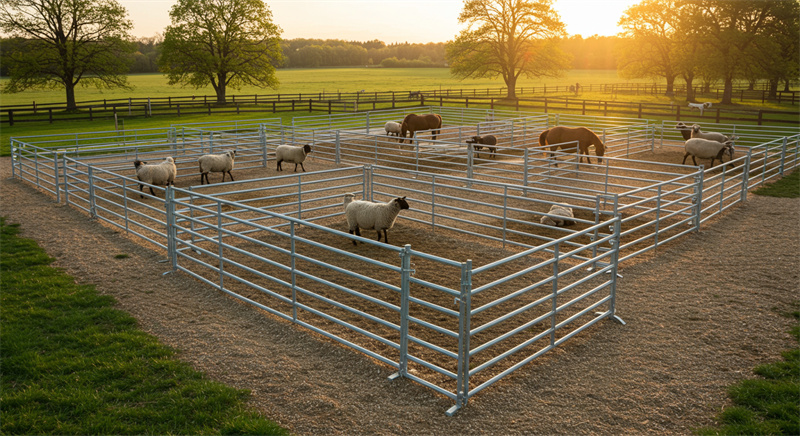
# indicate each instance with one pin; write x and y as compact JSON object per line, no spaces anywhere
{"x":413,"y":122}
{"x":585,"y":137}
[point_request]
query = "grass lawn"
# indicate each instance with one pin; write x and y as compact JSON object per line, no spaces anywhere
{"x":72,"y":364}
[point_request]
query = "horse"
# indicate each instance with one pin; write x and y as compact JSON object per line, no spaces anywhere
{"x":413,"y":122}
{"x":585,"y":137}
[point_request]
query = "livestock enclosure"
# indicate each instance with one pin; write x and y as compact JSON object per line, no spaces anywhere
{"x":456,"y":320}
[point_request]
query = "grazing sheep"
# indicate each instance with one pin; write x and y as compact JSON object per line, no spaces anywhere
{"x":488,"y":141}
{"x":216,"y":163}
{"x":163,"y":173}
{"x":367,"y":215}
{"x":392,"y":127}
{"x":712,"y":136}
{"x":292,"y":154}
{"x":708,"y":149}
{"x":700,"y":106}
{"x":686,"y":131}
{"x":560,"y":210}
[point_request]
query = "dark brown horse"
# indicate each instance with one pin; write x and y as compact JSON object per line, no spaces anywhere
{"x":413,"y":122}
{"x":585,"y":137}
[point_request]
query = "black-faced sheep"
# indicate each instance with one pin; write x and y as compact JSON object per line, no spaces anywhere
{"x":163,"y":173}
{"x":686,"y":131}
{"x":711,"y":136}
{"x":216,"y":163}
{"x":558,"y":210}
{"x":487,"y":141}
{"x":292,"y":154}
{"x":367,"y":215}
{"x":708,"y":149}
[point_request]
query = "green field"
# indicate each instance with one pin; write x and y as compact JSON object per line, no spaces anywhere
{"x":312,"y":80}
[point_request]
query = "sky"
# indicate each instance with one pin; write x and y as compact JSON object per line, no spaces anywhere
{"x":391,"y":21}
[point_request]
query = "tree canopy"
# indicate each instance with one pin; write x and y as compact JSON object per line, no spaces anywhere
{"x":57,"y":43}
{"x":508,"y":38}
{"x":225,"y":43}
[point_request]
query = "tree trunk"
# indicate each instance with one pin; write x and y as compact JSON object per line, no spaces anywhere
{"x":220,"y":93}
{"x":786,"y":86}
{"x":727,"y":94}
{"x":670,"y":86}
{"x":511,"y":84}
{"x":773,"y":88}
{"x":690,"y":94}
{"x":70,"y":88}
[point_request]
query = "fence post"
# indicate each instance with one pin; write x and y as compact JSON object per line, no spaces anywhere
{"x":464,"y":310}
{"x":470,"y":162}
{"x":262,"y":136}
{"x":746,"y":174}
{"x":783,"y":154}
{"x":169,"y":205}
{"x":92,"y":210}
{"x":698,"y":202}
{"x":405,"y":289}
{"x":337,"y":157}
{"x":55,"y":173}
{"x":66,"y":183}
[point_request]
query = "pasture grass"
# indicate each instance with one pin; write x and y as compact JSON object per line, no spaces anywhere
{"x":787,"y":187}
{"x":72,"y":364}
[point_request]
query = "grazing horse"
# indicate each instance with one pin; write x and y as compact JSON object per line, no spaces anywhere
{"x":585,"y":137}
{"x":413,"y":122}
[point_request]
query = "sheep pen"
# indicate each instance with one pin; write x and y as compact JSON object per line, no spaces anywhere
{"x":284,"y":200}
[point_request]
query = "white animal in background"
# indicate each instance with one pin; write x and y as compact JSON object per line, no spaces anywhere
{"x":709,"y":149}
{"x":292,"y":154}
{"x":480,"y":142}
{"x":712,"y":136}
{"x":700,"y":106}
{"x":558,"y":214}
{"x":163,"y":173}
{"x":216,"y":163}
{"x":392,"y":127}
{"x":367,"y":215}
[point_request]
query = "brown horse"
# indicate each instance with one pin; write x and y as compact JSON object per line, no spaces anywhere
{"x":585,"y":137}
{"x":413,"y":122}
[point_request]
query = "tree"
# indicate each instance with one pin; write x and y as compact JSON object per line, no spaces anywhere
{"x":733,"y":31}
{"x":508,"y":38}
{"x":650,"y":43}
{"x":59,"y":43}
{"x":225,"y":43}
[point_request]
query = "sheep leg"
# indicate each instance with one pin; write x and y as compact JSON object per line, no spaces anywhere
{"x":301,"y":166}
{"x":279,"y":167}
{"x":229,"y":173}
{"x":202,"y":178}
{"x":151,"y":191}
{"x":141,"y":187}
{"x":684,"y":158}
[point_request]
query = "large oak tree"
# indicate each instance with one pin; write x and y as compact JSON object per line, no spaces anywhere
{"x":225,"y":43}
{"x":60,"y":43}
{"x":509,"y":39}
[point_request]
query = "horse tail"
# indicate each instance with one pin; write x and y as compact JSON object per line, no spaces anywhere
{"x":543,"y":137}
{"x":403,"y":129}
{"x":438,"y":126}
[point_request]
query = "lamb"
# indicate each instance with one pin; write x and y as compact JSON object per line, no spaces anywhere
{"x":686,"y":131}
{"x":163,"y":173}
{"x":216,"y":163}
{"x":700,"y":106}
{"x":490,"y":141}
{"x":292,"y":154}
{"x":560,"y":210}
{"x":706,"y":148}
{"x":367,"y":215}
{"x":713,"y":136}
{"x":392,"y":127}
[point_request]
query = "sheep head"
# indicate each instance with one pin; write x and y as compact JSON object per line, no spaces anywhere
{"x":402,"y":202}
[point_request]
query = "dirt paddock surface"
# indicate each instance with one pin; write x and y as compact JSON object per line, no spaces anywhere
{"x":700,"y":315}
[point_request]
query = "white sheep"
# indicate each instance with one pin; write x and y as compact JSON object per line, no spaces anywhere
{"x":392,"y":127}
{"x":367,"y":215}
{"x":163,"y":173}
{"x":700,"y":106}
{"x":708,"y":149}
{"x":292,"y":154}
{"x":712,"y":136}
{"x":558,"y":210}
{"x":216,"y":163}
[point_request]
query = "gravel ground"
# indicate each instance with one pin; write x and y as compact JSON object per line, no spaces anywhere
{"x":700,"y":315}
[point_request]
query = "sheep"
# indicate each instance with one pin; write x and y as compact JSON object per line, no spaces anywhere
{"x":712,"y":136}
{"x":367,"y":215}
{"x":216,"y":163}
{"x":706,"y":148}
{"x":392,"y":127}
{"x":489,"y":141}
{"x":560,"y":210}
{"x":292,"y":154}
{"x":686,"y":131}
{"x":700,"y":106}
{"x":163,"y":173}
